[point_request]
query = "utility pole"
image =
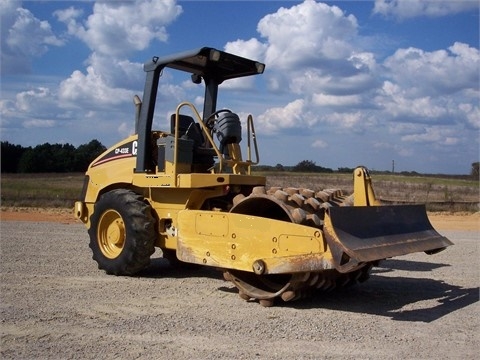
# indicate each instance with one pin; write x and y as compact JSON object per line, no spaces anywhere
{"x":393,"y":166}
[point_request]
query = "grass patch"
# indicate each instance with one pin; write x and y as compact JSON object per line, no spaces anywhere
{"x":41,"y":190}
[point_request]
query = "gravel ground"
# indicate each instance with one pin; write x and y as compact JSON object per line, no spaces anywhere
{"x":56,"y":304}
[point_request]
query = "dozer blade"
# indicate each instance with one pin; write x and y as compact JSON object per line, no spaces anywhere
{"x":360,"y":234}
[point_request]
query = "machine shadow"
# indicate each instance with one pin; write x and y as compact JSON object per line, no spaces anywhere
{"x":399,"y":298}
{"x":406,"y":265}
{"x":394,"y":298}
{"x":162,"y":268}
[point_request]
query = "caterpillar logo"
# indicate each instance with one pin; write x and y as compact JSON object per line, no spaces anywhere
{"x":121,"y":152}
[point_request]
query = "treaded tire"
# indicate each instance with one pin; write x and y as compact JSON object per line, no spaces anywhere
{"x":122,"y":233}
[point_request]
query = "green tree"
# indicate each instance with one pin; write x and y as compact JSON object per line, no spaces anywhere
{"x":279,"y":167}
{"x":86,"y":153}
{"x":47,"y":158}
{"x":28,"y":162}
{"x":10,"y":156}
{"x":310,"y":166}
{"x":305,"y":166}
{"x":475,"y":170}
{"x":345,"y":170}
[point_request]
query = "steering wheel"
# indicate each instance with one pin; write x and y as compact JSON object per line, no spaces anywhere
{"x":211,"y":119}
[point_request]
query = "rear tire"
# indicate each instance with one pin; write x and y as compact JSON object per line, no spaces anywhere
{"x":122,"y":232}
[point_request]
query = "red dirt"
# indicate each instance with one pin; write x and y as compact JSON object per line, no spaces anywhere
{"x":440,"y":221}
{"x":64,"y":216}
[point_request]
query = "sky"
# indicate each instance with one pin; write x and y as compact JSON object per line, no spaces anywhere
{"x":346,"y":83}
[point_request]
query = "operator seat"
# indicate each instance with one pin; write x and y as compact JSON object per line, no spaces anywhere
{"x":203,"y":157}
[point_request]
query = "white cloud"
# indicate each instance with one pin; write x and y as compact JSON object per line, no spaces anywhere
{"x":278,"y":118}
{"x":354,"y":122}
{"x":7,"y":112}
{"x":23,"y":36}
{"x":198,"y":101}
{"x":38,"y":99}
{"x":434,"y":134}
{"x":400,"y":102}
{"x":126,"y":129}
{"x":117,"y":72}
{"x":319,"y":144}
{"x":399,"y":149}
{"x":310,"y":80}
{"x":69,"y":17}
{"x":336,"y":101}
{"x":33,"y":108}
{"x":312,"y":51}
{"x":31,"y":35}
{"x":400,"y":128}
{"x":310,"y":33}
{"x":251,"y":49}
{"x":69,"y":14}
{"x":409,"y":95}
{"x":118,"y":27}
{"x":107,"y":81}
{"x":439,"y":72}
{"x":437,"y":87}
{"x":38,"y":123}
{"x":113,"y":30}
{"x":472,"y":114}
{"x":407,"y":9}
{"x":91,"y":89}
{"x":314,"y":48}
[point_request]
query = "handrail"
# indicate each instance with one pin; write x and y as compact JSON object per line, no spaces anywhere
{"x":204,"y":129}
{"x":235,"y":162}
{"x":251,"y":133}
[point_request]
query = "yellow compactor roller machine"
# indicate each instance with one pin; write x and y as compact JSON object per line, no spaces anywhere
{"x":189,"y":191}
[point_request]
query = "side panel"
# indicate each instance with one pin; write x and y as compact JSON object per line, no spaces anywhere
{"x":242,"y":242}
{"x":113,"y":172}
{"x":115,"y":165}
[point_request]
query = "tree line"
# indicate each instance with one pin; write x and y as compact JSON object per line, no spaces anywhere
{"x":59,"y":158}
{"x":309,"y":166}
{"x":62,"y":158}
{"x":306,"y":166}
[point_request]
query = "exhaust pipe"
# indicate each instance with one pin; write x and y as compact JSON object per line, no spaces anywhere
{"x":138,"y":107}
